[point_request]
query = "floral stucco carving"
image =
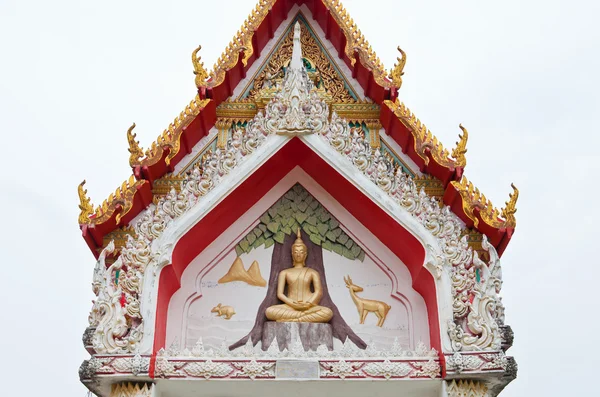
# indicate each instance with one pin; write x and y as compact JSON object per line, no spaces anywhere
{"x":478,"y":312}
{"x":477,"y":308}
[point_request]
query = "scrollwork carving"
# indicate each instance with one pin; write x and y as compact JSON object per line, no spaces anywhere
{"x":325,"y":74}
{"x":341,"y":369}
{"x":388,"y":369}
{"x":477,"y":308}
{"x":253,"y":369}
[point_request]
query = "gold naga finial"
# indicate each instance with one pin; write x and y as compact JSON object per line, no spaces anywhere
{"x":85,"y":205}
{"x":199,"y":71}
{"x":398,"y":70}
{"x":508,"y":212}
{"x":458,"y":153}
{"x":135,"y":151}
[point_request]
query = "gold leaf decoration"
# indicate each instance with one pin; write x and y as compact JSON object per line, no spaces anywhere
{"x":461,"y":148}
{"x":356,"y":43}
{"x":242,"y":42}
{"x":85,"y":205}
{"x":508,"y":212}
{"x":473,"y":199}
{"x":135,"y":151}
{"x":199,"y":71}
{"x":398,"y":71}
{"x":423,"y":138}
{"x":325,"y":74}
{"x":121,"y":199}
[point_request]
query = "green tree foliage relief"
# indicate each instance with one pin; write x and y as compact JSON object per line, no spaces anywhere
{"x":297,"y":208}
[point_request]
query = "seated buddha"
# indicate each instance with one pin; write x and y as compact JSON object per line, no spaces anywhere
{"x":301,"y":304}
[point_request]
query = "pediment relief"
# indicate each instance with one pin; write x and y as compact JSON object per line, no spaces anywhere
{"x":347,"y":285}
{"x":300,"y":113}
{"x":317,"y":61}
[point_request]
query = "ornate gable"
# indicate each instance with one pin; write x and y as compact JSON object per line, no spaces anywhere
{"x":318,"y":62}
{"x":297,"y":155}
{"x":406,"y":139}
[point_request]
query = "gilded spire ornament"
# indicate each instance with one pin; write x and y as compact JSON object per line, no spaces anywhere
{"x":461,"y":148}
{"x":199,"y":71}
{"x":135,"y":151}
{"x":398,"y":71}
{"x":85,"y":205}
{"x":508,"y":212}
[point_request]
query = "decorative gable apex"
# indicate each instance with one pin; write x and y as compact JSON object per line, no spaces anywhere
{"x":215,"y":106}
{"x":293,"y":175}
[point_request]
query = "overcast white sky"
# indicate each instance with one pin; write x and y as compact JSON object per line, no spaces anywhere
{"x":522,"y":76}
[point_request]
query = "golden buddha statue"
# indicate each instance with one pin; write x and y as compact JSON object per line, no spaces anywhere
{"x":300,"y":304}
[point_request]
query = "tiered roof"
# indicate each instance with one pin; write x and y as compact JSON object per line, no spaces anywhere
{"x":216,"y":86}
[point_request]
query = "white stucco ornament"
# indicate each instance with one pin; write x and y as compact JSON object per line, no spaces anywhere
{"x":477,"y":310}
{"x":296,"y":109}
{"x":115,"y":310}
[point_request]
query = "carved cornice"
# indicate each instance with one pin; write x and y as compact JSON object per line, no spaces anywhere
{"x":473,"y":362}
{"x":98,"y":365}
{"x":473,"y":199}
{"x":252,"y":362}
{"x":358,"y":111}
{"x":237,"y":111}
{"x":348,"y":351}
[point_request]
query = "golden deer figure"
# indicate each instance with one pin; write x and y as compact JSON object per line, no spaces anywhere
{"x":365,"y":306}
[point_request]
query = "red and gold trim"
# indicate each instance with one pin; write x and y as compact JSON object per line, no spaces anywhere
{"x":215,"y":87}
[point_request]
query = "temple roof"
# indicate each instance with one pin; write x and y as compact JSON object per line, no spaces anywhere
{"x":212,"y":103}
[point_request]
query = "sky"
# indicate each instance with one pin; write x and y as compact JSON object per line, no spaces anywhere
{"x":521,"y":76}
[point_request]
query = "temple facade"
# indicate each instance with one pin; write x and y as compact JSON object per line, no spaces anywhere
{"x":297,"y":229}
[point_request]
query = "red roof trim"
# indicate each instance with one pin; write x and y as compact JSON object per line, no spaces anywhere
{"x":206,"y":119}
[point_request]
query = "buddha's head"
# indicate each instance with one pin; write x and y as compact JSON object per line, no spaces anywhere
{"x":299,"y":250}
